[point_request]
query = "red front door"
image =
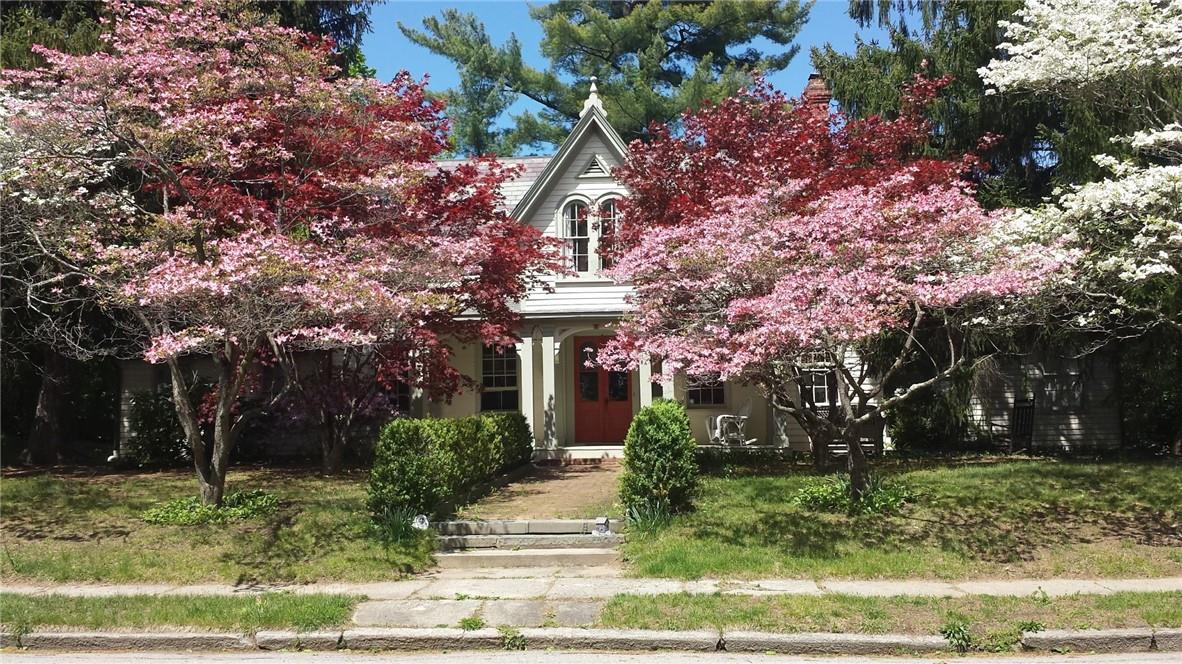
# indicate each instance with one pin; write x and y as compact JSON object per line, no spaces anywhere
{"x":603,"y":399}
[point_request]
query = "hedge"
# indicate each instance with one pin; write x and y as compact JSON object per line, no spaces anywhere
{"x":660,"y":469}
{"x":418,"y":463}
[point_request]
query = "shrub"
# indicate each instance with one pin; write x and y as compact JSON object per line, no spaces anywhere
{"x":157,"y":438}
{"x":832,"y":494}
{"x":660,"y":470}
{"x":189,"y":511}
{"x":419,"y":463}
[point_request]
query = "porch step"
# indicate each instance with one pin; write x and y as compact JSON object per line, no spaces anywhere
{"x":524,"y":527}
{"x":524,"y":542}
{"x":485,"y":558}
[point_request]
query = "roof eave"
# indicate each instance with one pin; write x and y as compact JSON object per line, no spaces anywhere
{"x":593,"y":116}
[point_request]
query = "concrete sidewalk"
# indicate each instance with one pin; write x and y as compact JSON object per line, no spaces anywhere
{"x":602,"y":583}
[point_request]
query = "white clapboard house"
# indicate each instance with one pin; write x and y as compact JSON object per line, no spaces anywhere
{"x":581,"y":412}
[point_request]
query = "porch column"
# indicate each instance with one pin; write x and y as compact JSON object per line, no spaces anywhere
{"x":667,"y":389}
{"x":645,"y":381}
{"x":525,"y":356}
{"x":549,"y":436}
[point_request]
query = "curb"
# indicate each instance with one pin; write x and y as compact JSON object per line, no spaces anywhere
{"x":572,"y":638}
{"x":834,"y":644}
{"x":1104,"y":640}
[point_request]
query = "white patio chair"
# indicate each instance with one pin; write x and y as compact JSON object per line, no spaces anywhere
{"x":731,"y":429}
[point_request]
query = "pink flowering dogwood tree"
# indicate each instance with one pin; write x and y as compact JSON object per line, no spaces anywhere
{"x":779,"y":247}
{"x":216,"y":182}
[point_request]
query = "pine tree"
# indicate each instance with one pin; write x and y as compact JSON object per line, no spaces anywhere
{"x":957,"y":38}
{"x":653,"y":61}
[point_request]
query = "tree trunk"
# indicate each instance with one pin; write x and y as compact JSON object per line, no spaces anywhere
{"x":332,"y":455}
{"x":856,"y":464}
{"x":213,"y":487}
{"x":45,"y":439}
{"x":820,"y":446}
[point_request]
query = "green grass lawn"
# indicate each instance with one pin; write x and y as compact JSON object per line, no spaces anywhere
{"x":87,"y":527}
{"x":994,"y":622}
{"x":244,"y":613}
{"x":975,"y":518}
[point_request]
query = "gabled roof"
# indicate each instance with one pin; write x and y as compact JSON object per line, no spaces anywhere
{"x":513,"y":190}
{"x":592,"y":118}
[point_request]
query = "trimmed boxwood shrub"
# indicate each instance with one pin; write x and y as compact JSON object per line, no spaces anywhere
{"x":419,"y":463}
{"x":660,"y":470}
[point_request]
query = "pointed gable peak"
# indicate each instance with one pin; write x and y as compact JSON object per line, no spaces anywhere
{"x":593,"y":100}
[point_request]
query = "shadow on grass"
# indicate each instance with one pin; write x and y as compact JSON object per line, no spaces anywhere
{"x":993,"y":511}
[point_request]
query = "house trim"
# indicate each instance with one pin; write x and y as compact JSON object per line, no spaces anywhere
{"x":593,"y":117}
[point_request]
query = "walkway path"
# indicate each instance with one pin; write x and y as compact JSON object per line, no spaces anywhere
{"x":605,"y":582}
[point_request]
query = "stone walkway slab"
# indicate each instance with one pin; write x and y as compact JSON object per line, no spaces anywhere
{"x":503,"y":588}
{"x":891,"y":588}
{"x":1021,"y":588}
{"x":602,"y":583}
{"x":575,"y":614}
{"x":415,"y":613}
{"x":514,"y":612}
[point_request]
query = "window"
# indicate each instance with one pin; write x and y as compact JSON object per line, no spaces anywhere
{"x":498,"y":379}
{"x":705,"y":391}
{"x":1062,"y":384}
{"x":609,"y":217}
{"x":400,"y":395}
{"x":578,"y":238}
{"x":814,"y":385}
{"x":588,"y":374}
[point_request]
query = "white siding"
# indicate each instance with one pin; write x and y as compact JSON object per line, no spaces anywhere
{"x":1076,"y":402}
{"x":589,"y":292}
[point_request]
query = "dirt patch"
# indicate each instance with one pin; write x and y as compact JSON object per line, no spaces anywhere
{"x":553,"y":492}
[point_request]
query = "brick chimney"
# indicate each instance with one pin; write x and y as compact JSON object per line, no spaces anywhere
{"x":816,"y":94}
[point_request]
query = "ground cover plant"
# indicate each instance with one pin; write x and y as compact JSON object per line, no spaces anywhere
{"x":87,"y":527}
{"x":969,"y":517}
{"x":248,"y":613}
{"x":971,"y":623}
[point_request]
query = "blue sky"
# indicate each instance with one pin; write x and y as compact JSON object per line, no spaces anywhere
{"x":388,"y":51}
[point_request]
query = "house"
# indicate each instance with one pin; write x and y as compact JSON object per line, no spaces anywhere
{"x":579,"y":411}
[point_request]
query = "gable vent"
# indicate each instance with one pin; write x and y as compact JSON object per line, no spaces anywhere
{"x":595,"y":168}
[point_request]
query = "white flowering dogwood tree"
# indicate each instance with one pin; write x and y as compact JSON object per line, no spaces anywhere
{"x":1128,"y":225}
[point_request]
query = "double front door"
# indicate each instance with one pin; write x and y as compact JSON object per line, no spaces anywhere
{"x":603,"y":399}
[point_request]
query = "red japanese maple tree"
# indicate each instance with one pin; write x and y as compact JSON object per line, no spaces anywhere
{"x":776,"y":246}
{"x":216,"y":181}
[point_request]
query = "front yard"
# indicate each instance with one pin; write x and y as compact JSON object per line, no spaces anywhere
{"x":87,"y":527}
{"x":973,"y":518}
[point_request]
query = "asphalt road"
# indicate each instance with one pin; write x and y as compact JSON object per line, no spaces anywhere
{"x":540,"y":657}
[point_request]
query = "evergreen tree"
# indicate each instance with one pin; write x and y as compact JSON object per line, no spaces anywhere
{"x":1043,"y":142}
{"x":955,"y":37}
{"x":654,"y":59}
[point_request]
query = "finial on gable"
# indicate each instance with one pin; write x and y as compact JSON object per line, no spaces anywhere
{"x":593,"y":99}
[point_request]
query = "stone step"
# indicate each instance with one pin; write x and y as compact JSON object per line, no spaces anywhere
{"x":526,"y":527}
{"x":485,"y":558}
{"x":451,"y":542}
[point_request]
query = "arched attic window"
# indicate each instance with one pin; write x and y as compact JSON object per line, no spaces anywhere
{"x":608,"y":217}
{"x":577,"y":231}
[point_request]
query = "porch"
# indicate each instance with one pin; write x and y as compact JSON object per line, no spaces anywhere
{"x":581,"y":414}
